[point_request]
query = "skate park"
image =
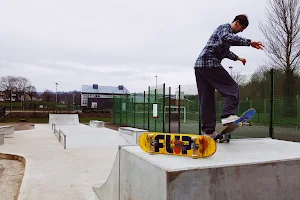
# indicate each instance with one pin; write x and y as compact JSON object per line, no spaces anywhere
{"x":81,"y":82}
{"x":115,"y":167}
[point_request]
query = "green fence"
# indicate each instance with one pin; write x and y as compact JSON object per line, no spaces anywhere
{"x":275,"y":117}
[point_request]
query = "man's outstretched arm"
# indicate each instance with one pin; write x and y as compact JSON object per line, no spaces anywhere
{"x":233,"y":39}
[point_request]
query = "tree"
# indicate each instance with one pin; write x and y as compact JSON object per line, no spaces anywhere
{"x":282,"y":33}
{"x":239,"y":78}
{"x":21,"y":84}
{"x":31,"y":91}
{"x":8,"y":85}
{"x":17,"y":86}
{"x":46,"y":96}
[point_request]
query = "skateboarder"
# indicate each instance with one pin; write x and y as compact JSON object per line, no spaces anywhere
{"x":211,"y":75}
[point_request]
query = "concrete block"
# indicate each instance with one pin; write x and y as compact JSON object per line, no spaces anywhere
{"x":96,"y":124}
{"x":1,"y":138}
{"x":7,"y":130}
{"x":130,"y":134}
{"x":63,"y":119}
{"x":243,"y":169}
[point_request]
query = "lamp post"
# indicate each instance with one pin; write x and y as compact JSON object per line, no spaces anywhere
{"x":156,"y":82}
{"x":56,"y":98}
{"x":73,"y":100}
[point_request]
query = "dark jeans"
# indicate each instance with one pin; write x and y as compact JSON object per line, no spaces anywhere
{"x":209,"y":79}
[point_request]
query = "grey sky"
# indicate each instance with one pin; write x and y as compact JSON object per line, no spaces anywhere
{"x":111,"y":42}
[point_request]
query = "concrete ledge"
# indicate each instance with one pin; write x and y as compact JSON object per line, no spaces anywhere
{"x":63,"y":119}
{"x":1,"y":138}
{"x":130,"y":134}
{"x":7,"y":130}
{"x":242,"y":169}
{"x":96,"y":124}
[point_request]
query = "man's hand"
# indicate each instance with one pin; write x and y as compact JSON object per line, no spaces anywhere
{"x":243,"y":60}
{"x":257,"y":45}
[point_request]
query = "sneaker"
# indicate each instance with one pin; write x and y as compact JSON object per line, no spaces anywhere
{"x":229,"y":119}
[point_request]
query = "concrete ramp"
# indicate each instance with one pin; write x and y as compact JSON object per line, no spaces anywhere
{"x":242,"y":169}
{"x":63,"y":119}
{"x":110,"y":189}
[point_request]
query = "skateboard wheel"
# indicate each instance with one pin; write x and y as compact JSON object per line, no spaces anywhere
{"x":250,"y":124}
{"x":240,"y":124}
{"x":194,"y":138}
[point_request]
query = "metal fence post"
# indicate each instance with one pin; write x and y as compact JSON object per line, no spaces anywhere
{"x":114,"y":110}
{"x":179,"y":110}
{"x":297,"y":111}
{"x":134,"y":100}
{"x":271,"y":129}
{"x":265,"y":111}
{"x":144,"y":105}
{"x":169,"y":109}
{"x":149,"y":108}
{"x":155,"y":119}
{"x":120,"y":111}
{"x":127,"y":100}
{"x":164,"y":104}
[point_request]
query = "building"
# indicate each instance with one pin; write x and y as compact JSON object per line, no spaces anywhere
{"x":100,"y":97}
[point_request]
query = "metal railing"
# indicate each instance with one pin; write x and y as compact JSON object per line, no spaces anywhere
{"x":61,"y":136}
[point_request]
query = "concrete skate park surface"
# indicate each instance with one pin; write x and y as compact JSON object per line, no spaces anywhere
{"x":112,"y":167}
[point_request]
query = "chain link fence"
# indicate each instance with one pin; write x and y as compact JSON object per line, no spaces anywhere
{"x":161,"y":109}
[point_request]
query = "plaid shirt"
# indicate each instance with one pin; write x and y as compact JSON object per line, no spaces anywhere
{"x":217,"y":47}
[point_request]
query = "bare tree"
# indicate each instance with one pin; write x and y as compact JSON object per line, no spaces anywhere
{"x":21,"y":84}
{"x":282,"y":33}
{"x":8,"y":85}
{"x":239,"y":78}
{"x":31,"y":91}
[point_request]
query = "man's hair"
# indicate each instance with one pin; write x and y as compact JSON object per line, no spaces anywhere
{"x":243,"y":19}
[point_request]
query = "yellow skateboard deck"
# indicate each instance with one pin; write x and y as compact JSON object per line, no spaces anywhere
{"x":191,"y":145}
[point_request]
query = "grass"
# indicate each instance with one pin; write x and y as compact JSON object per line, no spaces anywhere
{"x":30,"y":119}
{"x":87,"y":119}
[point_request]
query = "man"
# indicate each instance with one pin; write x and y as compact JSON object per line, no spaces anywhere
{"x":211,"y":75}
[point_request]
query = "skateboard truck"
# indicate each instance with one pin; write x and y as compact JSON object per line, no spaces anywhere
{"x":194,"y":147}
{"x":224,"y":139}
{"x":244,"y":123}
{"x":152,"y":143}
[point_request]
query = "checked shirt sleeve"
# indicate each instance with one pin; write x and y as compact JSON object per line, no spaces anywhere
{"x":233,"y":39}
{"x":231,"y":56}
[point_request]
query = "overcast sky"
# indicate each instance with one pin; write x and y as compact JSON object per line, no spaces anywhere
{"x":121,"y":42}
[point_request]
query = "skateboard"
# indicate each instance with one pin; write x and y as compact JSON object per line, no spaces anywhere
{"x":191,"y":145}
{"x":244,"y":120}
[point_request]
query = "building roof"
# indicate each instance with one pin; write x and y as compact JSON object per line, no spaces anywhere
{"x":104,"y":89}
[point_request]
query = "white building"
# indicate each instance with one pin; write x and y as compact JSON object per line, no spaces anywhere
{"x":100,"y":97}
